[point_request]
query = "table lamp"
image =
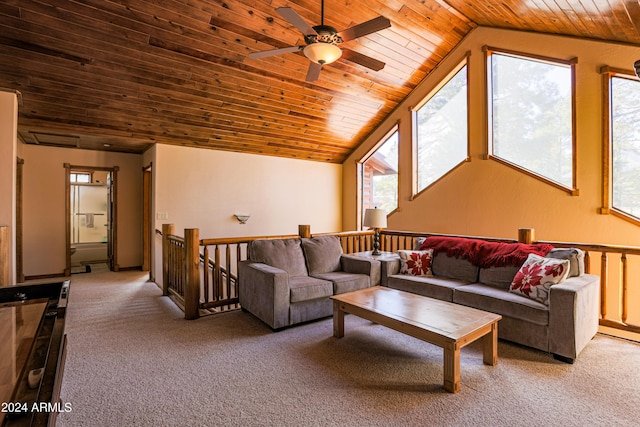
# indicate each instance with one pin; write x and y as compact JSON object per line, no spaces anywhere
{"x":376,"y":219}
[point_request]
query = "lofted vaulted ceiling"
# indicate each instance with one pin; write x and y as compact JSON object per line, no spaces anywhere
{"x":124,"y":74}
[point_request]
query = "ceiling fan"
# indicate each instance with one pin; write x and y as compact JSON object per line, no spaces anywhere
{"x":322,"y":42}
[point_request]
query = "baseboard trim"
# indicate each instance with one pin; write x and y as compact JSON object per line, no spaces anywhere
{"x":44,"y":276}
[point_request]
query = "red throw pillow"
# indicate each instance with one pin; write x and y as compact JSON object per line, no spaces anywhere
{"x":537,"y":275}
{"x":416,"y":263}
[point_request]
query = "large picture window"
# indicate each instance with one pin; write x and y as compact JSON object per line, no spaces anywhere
{"x":380,"y":175}
{"x":440,"y":126}
{"x":622,"y":145}
{"x":531,"y":121}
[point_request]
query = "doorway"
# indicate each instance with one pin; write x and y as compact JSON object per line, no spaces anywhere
{"x":90,"y":218}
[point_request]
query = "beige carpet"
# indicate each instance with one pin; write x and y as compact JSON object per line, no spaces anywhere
{"x":134,"y":361}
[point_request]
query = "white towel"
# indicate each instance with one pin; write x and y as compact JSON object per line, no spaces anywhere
{"x":88,"y":220}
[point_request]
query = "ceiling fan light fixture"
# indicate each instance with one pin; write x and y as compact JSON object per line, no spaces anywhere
{"x":322,"y":53}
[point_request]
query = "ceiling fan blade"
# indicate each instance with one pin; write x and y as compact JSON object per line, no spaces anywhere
{"x":296,"y":20}
{"x":273,"y":52}
{"x":364,"y":60}
{"x":314,"y":71}
{"x":371,"y":26}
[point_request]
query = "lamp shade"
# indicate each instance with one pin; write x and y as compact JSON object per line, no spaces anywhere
{"x":375,"y":218}
{"x":322,"y":53}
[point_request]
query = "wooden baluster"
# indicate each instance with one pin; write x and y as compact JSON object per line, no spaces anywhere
{"x":178,"y":268}
{"x":238,"y":259}
{"x":587,"y":262}
{"x":228,"y":270}
{"x":175,"y":267}
{"x":207,"y":289}
{"x":172,"y":262}
{"x":181,"y":267}
{"x":167,"y":229}
{"x":604,"y":272}
{"x":217,"y":285}
{"x":625,"y":290}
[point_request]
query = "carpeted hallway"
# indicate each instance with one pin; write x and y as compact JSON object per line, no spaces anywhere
{"x":134,"y":361}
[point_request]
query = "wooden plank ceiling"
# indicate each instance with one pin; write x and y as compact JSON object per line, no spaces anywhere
{"x":124,"y":74}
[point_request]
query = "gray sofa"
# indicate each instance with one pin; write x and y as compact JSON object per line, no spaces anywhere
{"x":563,"y":327}
{"x":289,"y":281}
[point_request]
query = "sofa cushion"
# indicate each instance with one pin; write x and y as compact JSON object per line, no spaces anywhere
{"x":433,"y":287}
{"x":322,"y":254}
{"x":503,"y":302}
{"x":454,"y":267}
{"x":575,"y":257}
{"x":285,"y":254}
{"x":345,"y":282}
{"x":416,"y":263}
{"x":305,"y":288}
{"x":537,"y":275}
{"x":498,"y":276}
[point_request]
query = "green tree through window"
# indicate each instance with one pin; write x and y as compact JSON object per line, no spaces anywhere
{"x":532,"y":117}
{"x":380,"y":176}
{"x":441,"y":131}
{"x":625,"y":145}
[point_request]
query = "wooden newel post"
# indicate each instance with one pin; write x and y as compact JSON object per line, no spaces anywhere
{"x":192,"y":272}
{"x":526,"y":235}
{"x":304,"y":231}
{"x":167,"y":229}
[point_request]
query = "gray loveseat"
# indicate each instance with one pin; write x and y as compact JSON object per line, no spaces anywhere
{"x":563,"y":327}
{"x":289,"y":281}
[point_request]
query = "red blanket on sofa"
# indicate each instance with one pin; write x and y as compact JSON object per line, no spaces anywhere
{"x":484,"y":253}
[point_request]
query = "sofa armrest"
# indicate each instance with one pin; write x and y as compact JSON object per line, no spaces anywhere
{"x":573,"y":314}
{"x":360,"y":265}
{"x":388,"y":268}
{"x":263,"y":291}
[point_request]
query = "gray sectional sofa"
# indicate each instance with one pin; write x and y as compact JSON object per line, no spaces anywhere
{"x":289,"y":281}
{"x":563,"y":327}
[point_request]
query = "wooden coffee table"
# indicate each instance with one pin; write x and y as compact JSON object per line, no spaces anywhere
{"x":447,"y":325}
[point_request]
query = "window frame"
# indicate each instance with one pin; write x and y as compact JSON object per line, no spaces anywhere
{"x":607,"y":142}
{"x":415,"y":192}
{"x":571,"y":63}
{"x":360,"y":168}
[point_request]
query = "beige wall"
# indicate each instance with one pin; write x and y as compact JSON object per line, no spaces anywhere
{"x":203,"y":189}
{"x":486,"y":198}
{"x":44,"y":205}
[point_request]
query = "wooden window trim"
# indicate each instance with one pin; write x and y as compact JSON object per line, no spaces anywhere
{"x":488,"y":146}
{"x":359,"y":169}
{"x":607,"y":142}
{"x":415,"y":192}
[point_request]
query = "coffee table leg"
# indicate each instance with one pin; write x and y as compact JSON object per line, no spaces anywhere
{"x":338,"y":320}
{"x":490,"y":346}
{"x":452,"y":367}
